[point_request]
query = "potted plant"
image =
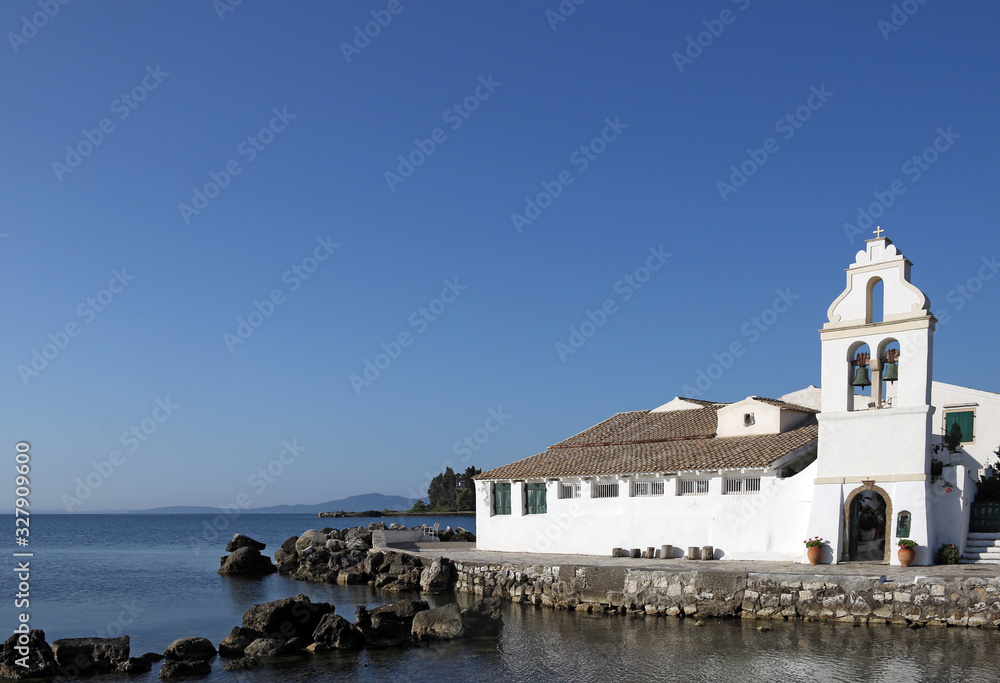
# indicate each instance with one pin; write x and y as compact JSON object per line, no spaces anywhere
{"x":814,"y":549}
{"x":907,"y":551}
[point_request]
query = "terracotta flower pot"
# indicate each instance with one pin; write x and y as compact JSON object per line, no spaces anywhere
{"x":815,"y":554}
{"x":906,"y":556}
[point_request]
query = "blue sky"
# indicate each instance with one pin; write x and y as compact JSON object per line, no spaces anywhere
{"x":214,"y":215}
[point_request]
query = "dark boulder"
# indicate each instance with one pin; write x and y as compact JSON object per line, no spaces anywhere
{"x":289,"y":545}
{"x":404,"y":609}
{"x":87,"y":656}
{"x":236,"y":642}
{"x":175,"y":668}
{"x":440,"y":623}
{"x":243,"y":663}
{"x":30,"y":649}
{"x":191,"y":648}
{"x":241,"y":541}
{"x":287,"y":618}
{"x":139,"y":665}
{"x":246,"y":562}
{"x":436,"y":578}
{"x":265,"y":648}
{"x":483,"y":618}
{"x":336,"y":633}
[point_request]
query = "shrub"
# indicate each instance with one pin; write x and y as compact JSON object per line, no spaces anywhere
{"x":946,"y":554}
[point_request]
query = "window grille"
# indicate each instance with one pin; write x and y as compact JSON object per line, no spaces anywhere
{"x":606,"y":490}
{"x":569,"y":490}
{"x":647,"y":488}
{"x":692,"y":487}
{"x":742,"y":485}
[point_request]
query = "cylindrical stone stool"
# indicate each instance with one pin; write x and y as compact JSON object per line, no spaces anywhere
{"x":636,"y":552}
{"x":666,"y":551}
{"x":707,"y":552}
{"x":650,"y":552}
{"x":616,"y":552}
{"x":694,"y":553}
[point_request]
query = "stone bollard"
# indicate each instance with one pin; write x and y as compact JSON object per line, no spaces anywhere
{"x":636,"y":552}
{"x":650,"y":553}
{"x":666,"y":551}
{"x":707,"y":552}
{"x":616,"y":552}
{"x":694,"y":553}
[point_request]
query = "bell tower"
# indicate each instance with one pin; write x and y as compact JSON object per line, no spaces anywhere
{"x":875,"y":424}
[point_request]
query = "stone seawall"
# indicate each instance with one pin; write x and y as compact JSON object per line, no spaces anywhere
{"x":713,"y":593}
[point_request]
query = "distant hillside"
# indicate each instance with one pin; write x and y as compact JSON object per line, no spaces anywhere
{"x":366,"y":501}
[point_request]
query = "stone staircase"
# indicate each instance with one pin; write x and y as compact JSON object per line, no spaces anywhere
{"x":981,"y":548}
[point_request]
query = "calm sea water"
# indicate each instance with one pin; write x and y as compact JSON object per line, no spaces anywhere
{"x":149,"y":576}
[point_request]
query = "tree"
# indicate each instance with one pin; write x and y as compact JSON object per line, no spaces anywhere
{"x":450,"y":492}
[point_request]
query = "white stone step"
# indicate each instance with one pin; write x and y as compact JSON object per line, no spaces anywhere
{"x":968,"y":561}
{"x":981,"y":548}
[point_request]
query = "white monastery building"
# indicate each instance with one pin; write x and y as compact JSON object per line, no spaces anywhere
{"x":755,"y":478}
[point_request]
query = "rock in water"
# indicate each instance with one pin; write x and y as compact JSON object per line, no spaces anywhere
{"x":173,"y":668}
{"x":265,"y":647}
{"x":441,"y":623}
{"x":241,"y":541}
{"x":287,"y":618}
{"x":246,"y":561}
{"x":236,"y":642}
{"x":36,"y":653}
{"x":338,"y":633}
{"x":436,"y":578}
{"x":86,"y":656}
{"x":192,"y":648}
{"x":483,"y":618}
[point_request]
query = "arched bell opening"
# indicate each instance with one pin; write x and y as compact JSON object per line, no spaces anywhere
{"x":859,"y":374}
{"x":875,"y":309}
{"x":867,"y":525}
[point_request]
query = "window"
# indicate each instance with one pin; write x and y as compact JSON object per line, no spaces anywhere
{"x":569,"y":490}
{"x":501,"y":499}
{"x":966,"y":421}
{"x":605,"y":490}
{"x":647,"y":488}
{"x":692,"y":487}
{"x":534,"y":496}
{"x":738,"y":485}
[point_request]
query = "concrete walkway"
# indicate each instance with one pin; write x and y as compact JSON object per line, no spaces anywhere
{"x":467,"y":552}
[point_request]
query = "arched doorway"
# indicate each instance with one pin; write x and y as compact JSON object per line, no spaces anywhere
{"x":867,"y":515}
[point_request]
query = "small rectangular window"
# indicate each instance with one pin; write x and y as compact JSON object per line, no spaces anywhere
{"x":647,"y":488}
{"x":501,"y":499}
{"x":966,"y":421}
{"x":692,"y":487}
{"x":534,"y":497}
{"x":569,"y":490}
{"x":742,"y":485}
{"x":606,"y":490}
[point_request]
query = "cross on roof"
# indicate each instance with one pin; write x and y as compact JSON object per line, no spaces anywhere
{"x":879,"y":231}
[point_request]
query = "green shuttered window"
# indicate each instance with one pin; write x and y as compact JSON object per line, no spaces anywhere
{"x":501,"y":499}
{"x":535,"y":498}
{"x":965,"y":420}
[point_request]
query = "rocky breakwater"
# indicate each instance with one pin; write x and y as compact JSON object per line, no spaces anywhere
{"x":347,"y":556}
{"x":297,"y":626}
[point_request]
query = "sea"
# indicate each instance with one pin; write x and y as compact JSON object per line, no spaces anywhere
{"x":154,"y":578}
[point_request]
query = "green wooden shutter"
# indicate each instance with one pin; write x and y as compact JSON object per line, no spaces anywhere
{"x":965,"y":421}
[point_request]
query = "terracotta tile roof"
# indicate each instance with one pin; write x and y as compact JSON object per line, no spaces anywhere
{"x":784,"y":405}
{"x":696,"y":450}
{"x":699,"y":401}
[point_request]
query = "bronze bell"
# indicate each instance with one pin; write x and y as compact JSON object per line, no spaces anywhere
{"x":861,"y":377}
{"x":890,"y":372}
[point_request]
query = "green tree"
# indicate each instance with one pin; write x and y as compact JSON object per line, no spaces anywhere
{"x":451,"y":492}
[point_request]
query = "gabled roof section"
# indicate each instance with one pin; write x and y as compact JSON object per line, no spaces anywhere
{"x":644,"y":426}
{"x":784,"y":405}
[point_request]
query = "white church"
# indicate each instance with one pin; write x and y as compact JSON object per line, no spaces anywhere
{"x":860,"y":462}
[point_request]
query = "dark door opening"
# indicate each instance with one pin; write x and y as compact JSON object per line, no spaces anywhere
{"x":867,"y":528}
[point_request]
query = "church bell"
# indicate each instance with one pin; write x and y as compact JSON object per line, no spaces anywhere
{"x":890,"y":372}
{"x":861,"y":377}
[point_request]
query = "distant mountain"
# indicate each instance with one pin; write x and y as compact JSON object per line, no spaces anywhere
{"x":366,"y":501}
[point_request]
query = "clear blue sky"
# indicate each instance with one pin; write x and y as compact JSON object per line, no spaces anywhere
{"x":154,"y":99}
